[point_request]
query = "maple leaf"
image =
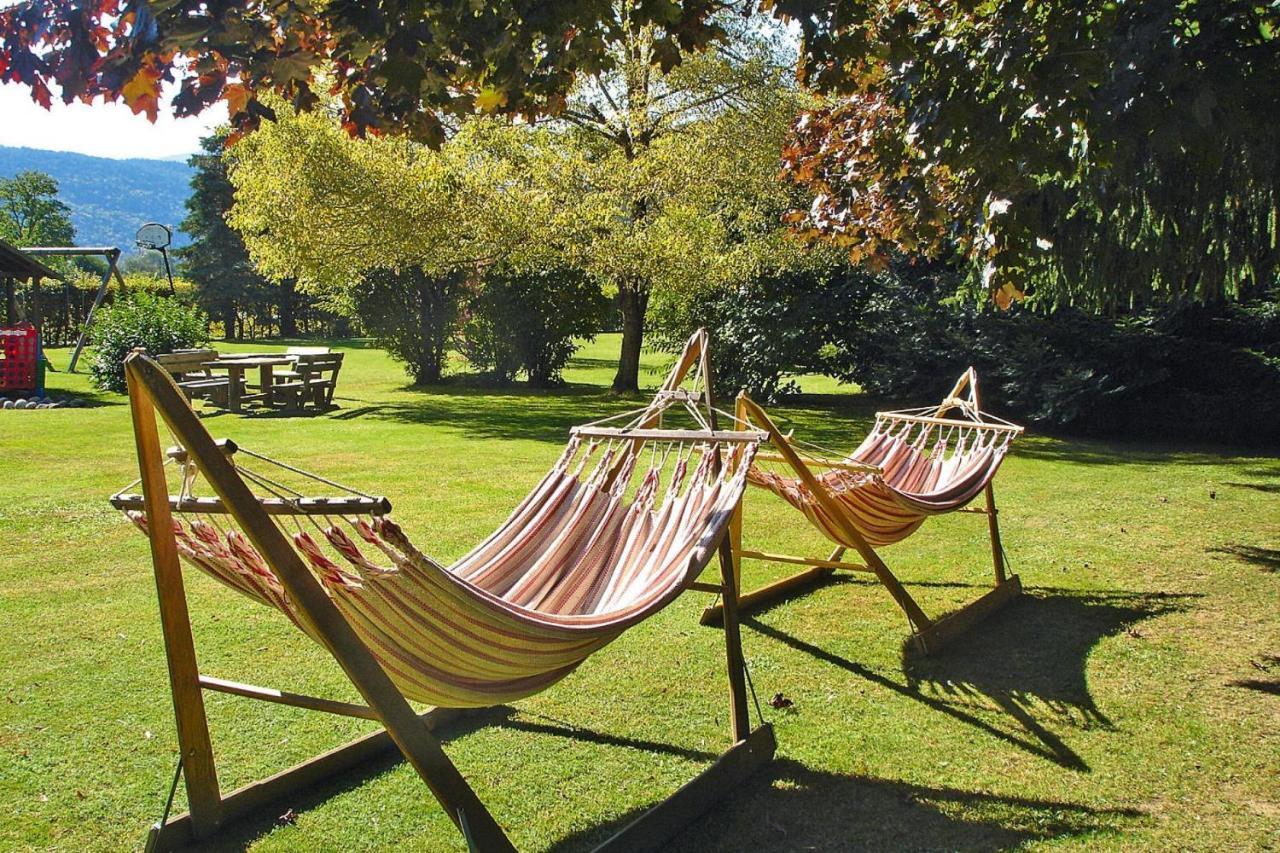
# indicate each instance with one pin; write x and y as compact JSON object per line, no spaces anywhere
{"x":237,"y":97}
{"x":142,"y":93}
{"x":490,"y":99}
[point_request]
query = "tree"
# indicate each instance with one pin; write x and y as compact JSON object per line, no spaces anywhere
{"x":412,"y":315}
{"x":658,"y":174}
{"x":31,"y":213}
{"x":1098,"y":154}
{"x":398,"y":68}
{"x":216,"y":259}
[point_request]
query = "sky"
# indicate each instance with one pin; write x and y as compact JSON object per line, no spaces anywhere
{"x":100,"y":129}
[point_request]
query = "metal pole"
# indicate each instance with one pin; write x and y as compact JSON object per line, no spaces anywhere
{"x":112,"y":256}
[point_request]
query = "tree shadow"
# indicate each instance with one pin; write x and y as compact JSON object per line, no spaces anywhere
{"x":1267,"y":664}
{"x":1268,"y":488}
{"x":794,"y":807}
{"x":1268,"y":559}
{"x":1029,"y":661}
{"x":504,"y":414}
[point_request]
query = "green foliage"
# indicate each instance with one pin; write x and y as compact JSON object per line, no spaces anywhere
{"x":412,"y":314}
{"x":31,"y":213}
{"x":1103,"y":155}
{"x":159,"y":324}
{"x":216,"y":260}
{"x":528,"y":321}
{"x":395,"y":70}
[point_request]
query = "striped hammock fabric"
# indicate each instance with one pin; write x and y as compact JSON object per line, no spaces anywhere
{"x":601,"y":543}
{"x":923,"y":469}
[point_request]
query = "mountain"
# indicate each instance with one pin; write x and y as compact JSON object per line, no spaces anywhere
{"x":109,"y":199}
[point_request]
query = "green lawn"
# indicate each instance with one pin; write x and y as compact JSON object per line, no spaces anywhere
{"x":1128,"y":701}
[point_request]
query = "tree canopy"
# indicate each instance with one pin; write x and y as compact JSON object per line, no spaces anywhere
{"x":399,"y":65}
{"x":1098,"y":153}
{"x":31,"y":214}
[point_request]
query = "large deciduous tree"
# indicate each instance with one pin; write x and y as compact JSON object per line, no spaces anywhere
{"x":397,"y":66}
{"x":31,"y":214}
{"x":1098,"y":153}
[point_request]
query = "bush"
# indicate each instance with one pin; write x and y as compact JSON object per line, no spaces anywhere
{"x":1181,"y":370}
{"x":157,"y":323}
{"x":528,"y":322}
{"x":412,"y":315}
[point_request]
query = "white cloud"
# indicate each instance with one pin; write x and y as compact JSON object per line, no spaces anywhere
{"x":100,"y":129}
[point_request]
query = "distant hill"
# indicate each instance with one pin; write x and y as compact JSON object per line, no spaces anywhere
{"x":109,"y":198}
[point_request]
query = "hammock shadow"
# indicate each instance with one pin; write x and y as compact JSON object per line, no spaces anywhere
{"x":243,"y":833}
{"x":1030,"y":660}
{"x":794,"y":807}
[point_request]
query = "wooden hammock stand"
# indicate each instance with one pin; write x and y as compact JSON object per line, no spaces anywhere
{"x":151,"y":390}
{"x":928,"y":635}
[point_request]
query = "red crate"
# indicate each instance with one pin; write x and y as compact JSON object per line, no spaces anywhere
{"x":19,"y":351}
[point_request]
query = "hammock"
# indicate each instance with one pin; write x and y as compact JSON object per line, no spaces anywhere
{"x":578,"y":562}
{"x":625,"y":520}
{"x":915,"y":463}
{"x":909,"y":467}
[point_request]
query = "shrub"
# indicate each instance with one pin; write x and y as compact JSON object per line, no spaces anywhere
{"x":158,"y":323}
{"x":528,"y":321}
{"x":412,"y":315}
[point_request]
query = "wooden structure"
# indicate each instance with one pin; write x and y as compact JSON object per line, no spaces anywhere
{"x":313,"y":380}
{"x":151,"y":391}
{"x":17,"y":265}
{"x":821,"y":478}
{"x":112,"y":256}
{"x":188,"y":369}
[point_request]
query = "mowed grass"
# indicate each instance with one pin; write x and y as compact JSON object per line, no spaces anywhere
{"x":1129,"y":700}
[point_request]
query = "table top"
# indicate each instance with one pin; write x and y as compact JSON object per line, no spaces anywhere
{"x":250,"y":361}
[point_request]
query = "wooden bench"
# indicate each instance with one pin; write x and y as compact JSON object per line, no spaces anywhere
{"x":187,"y":367}
{"x":313,"y":380}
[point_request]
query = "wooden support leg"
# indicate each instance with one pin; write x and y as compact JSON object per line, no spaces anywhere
{"x":733,"y":646}
{"x":175,"y":624}
{"x":993,"y":527}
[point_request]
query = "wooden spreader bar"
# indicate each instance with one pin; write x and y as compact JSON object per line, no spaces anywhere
{"x":152,"y":391}
{"x":955,"y":422}
{"x":271,"y":506}
{"x":643,"y":434}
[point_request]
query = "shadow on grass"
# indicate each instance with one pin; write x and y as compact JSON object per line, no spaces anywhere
{"x":1268,"y":559}
{"x":1028,"y":660}
{"x":242,"y":833}
{"x":793,"y":807}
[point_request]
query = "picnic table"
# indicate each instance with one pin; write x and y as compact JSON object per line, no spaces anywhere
{"x":236,"y":367}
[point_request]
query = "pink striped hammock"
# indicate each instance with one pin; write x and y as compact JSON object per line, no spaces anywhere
{"x":625,"y":520}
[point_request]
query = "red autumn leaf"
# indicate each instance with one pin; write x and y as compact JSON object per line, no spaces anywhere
{"x":237,"y":97}
{"x":142,"y":93}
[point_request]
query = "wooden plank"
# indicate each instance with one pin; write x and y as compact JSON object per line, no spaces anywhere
{"x":421,"y":750}
{"x":770,"y":557}
{"x":271,"y":506}
{"x":945,"y":630}
{"x":284,"y":697}
{"x":638,"y":434}
{"x":653,"y":829}
{"x":256,"y":797}
{"x":195,"y":747}
{"x":752,"y":601}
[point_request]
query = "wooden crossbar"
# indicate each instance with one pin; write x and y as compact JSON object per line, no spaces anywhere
{"x":640,"y":434}
{"x":956,"y":422}
{"x":271,"y":506}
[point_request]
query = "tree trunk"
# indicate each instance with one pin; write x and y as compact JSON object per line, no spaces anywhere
{"x":429,"y":367}
{"x":633,"y":299}
{"x":229,"y":321}
{"x":288,"y":319}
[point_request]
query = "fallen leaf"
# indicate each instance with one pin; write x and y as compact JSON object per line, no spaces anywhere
{"x":780,"y":701}
{"x":289,"y":818}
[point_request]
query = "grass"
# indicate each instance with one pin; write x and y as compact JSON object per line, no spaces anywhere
{"x":1128,"y":701}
